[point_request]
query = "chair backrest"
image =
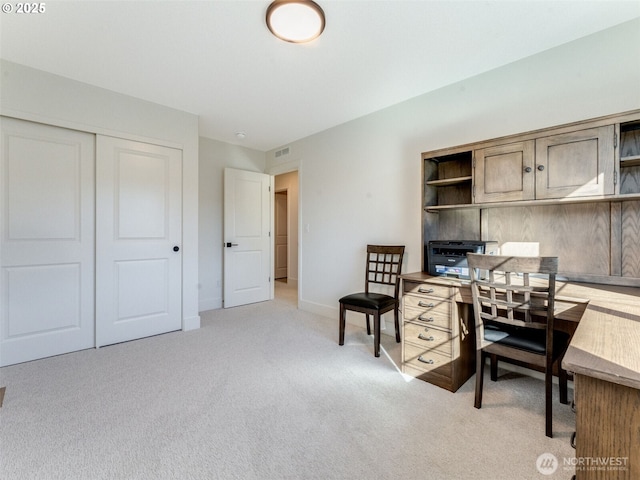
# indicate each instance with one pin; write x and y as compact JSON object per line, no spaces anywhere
{"x":384,"y":265}
{"x":508,"y":296}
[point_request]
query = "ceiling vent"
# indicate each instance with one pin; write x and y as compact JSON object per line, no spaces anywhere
{"x":283,"y":152}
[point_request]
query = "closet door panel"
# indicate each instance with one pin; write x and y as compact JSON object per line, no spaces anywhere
{"x":47,"y":241}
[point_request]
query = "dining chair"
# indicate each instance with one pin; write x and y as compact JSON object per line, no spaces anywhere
{"x":383,"y":267}
{"x":513,"y":303}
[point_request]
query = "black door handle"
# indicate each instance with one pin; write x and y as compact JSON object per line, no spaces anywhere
{"x":229,"y":244}
{"x":176,"y":248}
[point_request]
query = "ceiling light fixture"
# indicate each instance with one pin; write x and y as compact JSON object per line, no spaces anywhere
{"x":296,"y":21}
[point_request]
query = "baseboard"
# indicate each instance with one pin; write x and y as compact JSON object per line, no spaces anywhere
{"x":353,"y":318}
{"x":191,"y":323}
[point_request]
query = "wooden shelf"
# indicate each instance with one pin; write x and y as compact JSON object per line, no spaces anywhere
{"x":632,"y":161}
{"x":534,"y":203}
{"x":449,"y":181}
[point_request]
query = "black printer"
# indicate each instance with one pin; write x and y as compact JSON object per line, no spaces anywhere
{"x":449,"y":257}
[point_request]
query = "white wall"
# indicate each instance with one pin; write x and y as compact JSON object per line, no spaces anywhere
{"x":215,"y":156}
{"x":37,"y":96}
{"x":289,"y":182}
{"x":361,"y":182}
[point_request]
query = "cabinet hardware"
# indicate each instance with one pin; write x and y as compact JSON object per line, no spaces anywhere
{"x":573,"y":440}
{"x":427,"y":305}
{"x":527,"y":169}
{"x":422,"y":290}
{"x":430,"y":319}
{"x":541,"y":167}
{"x":426,"y":339}
{"x":424,"y":360}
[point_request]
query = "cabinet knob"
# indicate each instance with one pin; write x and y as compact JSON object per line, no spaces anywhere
{"x":541,"y":167}
{"x":527,"y":169}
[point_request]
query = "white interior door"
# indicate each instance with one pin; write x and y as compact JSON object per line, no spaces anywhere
{"x":281,"y":235}
{"x":138,"y":240}
{"x":47,"y":241}
{"x":247,"y":237}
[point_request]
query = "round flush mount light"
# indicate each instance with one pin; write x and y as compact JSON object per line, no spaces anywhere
{"x":296,"y":21}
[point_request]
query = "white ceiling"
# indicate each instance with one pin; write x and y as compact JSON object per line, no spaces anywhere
{"x":217,"y":59}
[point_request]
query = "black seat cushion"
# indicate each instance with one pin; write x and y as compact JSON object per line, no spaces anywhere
{"x":375,"y":301}
{"x":525,"y":338}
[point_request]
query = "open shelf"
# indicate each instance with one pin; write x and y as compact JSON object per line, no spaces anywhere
{"x":534,"y":203}
{"x":630,"y":161}
{"x":449,"y":181}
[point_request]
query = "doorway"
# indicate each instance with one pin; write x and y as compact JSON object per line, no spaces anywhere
{"x":281,"y":235}
{"x":286,"y":236}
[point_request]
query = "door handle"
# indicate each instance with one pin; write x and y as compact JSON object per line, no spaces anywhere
{"x":176,"y":248}
{"x":229,"y":244}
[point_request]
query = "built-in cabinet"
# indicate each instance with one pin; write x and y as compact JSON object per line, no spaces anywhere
{"x":559,"y":163}
{"x":571,"y":191}
{"x":575,"y":164}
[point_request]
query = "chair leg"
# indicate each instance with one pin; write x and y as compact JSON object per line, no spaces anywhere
{"x":479,"y":378}
{"x":562,"y":383}
{"x":368,"y":325}
{"x":548,"y":379}
{"x":396,"y":318}
{"x":494,"y":367}
{"x":343,"y":313}
{"x":376,"y":334}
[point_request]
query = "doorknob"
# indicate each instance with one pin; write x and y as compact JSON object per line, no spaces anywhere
{"x":176,"y":248}
{"x":229,"y":244}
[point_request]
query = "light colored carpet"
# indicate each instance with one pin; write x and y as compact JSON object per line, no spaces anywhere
{"x":265,"y":392}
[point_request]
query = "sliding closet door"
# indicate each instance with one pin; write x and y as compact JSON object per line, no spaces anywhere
{"x":47,"y":241}
{"x":138,"y":245}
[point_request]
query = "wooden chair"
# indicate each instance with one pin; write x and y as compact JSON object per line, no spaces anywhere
{"x":384,"y":264}
{"x":514,"y":319}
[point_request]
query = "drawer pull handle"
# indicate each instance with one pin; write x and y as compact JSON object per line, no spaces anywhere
{"x":428,"y":305}
{"x":430,"y":319}
{"x":424,"y":360}
{"x":573,"y":440}
{"x":425,"y":290}
{"x":427,"y":339}
{"x":573,"y":406}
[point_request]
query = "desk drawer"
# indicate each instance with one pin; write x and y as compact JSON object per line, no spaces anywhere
{"x":427,"y":337}
{"x":427,"y":289}
{"x":435,"y":317}
{"x":427,"y":360}
{"x":428,"y":304}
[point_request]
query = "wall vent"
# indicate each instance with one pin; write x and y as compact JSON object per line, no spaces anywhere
{"x":283,"y":152}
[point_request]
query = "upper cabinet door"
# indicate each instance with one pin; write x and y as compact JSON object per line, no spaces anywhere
{"x":504,"y":173}
{"x":576,"y":164}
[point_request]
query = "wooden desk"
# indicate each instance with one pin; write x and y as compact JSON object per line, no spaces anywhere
{"x":438,"y":341}
{"x":604,"y":356}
